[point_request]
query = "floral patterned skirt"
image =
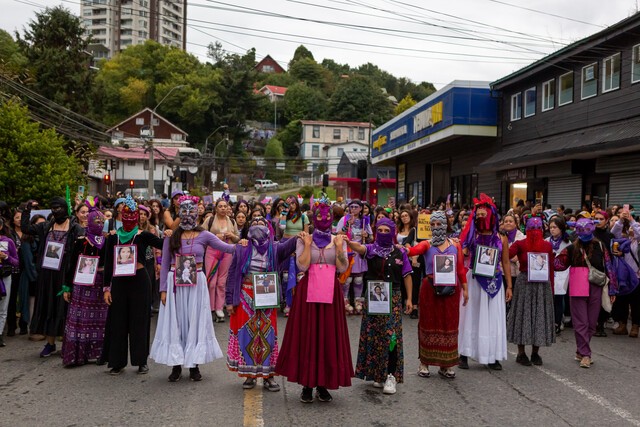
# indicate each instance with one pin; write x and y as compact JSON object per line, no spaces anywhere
{"x":375,"y":336}
{"x":253,"y":338}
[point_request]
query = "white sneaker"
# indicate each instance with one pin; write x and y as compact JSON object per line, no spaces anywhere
{"x":220,"y":314}
{"x":390,"y":385}
{"x":378,"y":385}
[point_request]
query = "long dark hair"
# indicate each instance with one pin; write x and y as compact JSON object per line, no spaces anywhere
{"x":400,"y":224}
{"x":298,"y":208}
{"x":579,"y":246}
{"x":155,"y":219}
{"x":175,"y":244}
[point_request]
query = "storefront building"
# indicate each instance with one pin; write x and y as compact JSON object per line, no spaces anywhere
{"x":437,"y":144}
{"x":570,"y":124}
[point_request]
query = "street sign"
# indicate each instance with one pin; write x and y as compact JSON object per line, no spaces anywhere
{"x":280,"y":166}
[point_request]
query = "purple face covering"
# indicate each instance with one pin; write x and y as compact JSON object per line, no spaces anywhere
{"x":534,"y":223}
{"x":584,"y":229}
{"x":383,"y":245}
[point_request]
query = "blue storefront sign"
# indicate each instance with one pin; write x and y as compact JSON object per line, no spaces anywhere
{"x":460,"y":108}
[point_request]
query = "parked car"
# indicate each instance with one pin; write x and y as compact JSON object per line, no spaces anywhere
{"x":265,"y":185}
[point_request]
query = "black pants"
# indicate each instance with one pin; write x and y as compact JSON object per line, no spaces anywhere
{"x":558,"y":311}
{"x":12,"y":319}
{"x":620,"y":311}
{"x":128,"y":320}
{"x":150,"y":265}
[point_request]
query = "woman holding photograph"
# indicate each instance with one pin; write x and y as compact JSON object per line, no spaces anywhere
{"x":439,"y":315}
{"x":315,"y":349}
{"x":483,"y":334}
{"x":8,"y":259}
{"x":531,"y":320}
{"x":185,"y":335}
{"x":249,"y":325}
{"x":50,"y":308}
{"x":380,"y":353}
{"x":87,"y":314}
{"x":128,"y":297}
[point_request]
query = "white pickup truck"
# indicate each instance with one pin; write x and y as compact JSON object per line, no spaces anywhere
{"x":265,"y":185}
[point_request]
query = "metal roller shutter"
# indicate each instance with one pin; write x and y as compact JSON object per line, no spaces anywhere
{"x":565,"y":191}
{"x":624,"y":188}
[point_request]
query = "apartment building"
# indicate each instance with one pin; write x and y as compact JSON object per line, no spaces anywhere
{"x":116,"y":24}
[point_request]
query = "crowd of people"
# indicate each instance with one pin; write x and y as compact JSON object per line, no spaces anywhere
{"x":94,"y":275}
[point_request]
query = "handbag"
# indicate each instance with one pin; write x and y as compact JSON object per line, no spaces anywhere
{"x":444,"y":291}
{"x":606,"y":301}
{"x":597,"y":277}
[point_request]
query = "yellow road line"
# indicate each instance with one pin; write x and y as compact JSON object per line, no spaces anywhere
{"x":253,"y":406}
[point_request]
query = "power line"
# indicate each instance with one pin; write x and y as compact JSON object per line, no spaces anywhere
{"x":547,"y":13}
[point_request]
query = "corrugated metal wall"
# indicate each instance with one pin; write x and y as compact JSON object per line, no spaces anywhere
{"x":565,"y":191}
{"x":624,"y":188}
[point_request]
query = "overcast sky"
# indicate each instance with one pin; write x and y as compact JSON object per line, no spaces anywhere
{"x":434,"y":41}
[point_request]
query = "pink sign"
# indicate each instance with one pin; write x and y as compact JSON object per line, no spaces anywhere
{"x":322,"y":279}
{"x":579,"y":282}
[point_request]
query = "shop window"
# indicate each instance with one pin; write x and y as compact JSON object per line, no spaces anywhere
{"x":516,"y":106}
{"x":611,"y":73}
{"x":589,"y":81}
{"x":565,"y":91}
{"x":518,"y":192}
{"x":530,"y":102}
{"x":548,"y":94}
{"x":635,"y":64}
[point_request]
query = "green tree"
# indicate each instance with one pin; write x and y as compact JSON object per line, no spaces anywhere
{"x":302,"y":102}
{"x":406,"y":103}
{"x":310,"y":72}
{"x":290,"y":138}
{"x":56,"y":48}
{"x":13,"y":63}
{"x":356,"y":98}
{"x":273,"y":151}
{"x":300,"y":53}
{"x":34,"y":162}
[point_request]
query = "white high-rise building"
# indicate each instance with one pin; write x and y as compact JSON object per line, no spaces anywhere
{"x":116,"y":24}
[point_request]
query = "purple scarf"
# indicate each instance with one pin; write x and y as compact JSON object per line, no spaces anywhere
{"x":383,"y":244}
{"x":490,"y":285}
{"x":321,"y":238}
{"x":511,"y":235}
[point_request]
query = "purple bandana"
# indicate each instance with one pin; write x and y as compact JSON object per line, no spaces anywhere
{"x":511,"y":235}
{"x":383,"y":245}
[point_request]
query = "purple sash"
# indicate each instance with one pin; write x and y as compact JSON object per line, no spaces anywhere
{"x":490,"y":285}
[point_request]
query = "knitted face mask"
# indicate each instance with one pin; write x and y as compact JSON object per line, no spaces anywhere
{"x":438,"y":233}
{"x":188,"y":214}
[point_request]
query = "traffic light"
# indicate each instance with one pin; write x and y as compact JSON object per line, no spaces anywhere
{"x":131,"y":184}
{"x":107,"y":179}
{"x":375,"y":191}
{"x":362,"y":169}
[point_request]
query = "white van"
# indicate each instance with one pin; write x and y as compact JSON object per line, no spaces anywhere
{"x":265,"y":185}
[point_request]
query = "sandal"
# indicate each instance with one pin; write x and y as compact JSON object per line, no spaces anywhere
{"x":424,"y":371}
{"x":348,"y":307}
{"x":359,"y":307}
{"x":447,"y":373}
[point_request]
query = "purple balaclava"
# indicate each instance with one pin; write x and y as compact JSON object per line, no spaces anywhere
{"x":584,"y":229}
{"x":95,"y":220}
{"x":322,"y":227}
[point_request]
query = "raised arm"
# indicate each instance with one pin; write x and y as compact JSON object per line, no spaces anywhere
{"x":285,"y":249}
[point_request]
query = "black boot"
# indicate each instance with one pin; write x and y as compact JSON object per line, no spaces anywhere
{"x":463,"y":363}
{"x":176,"y":374}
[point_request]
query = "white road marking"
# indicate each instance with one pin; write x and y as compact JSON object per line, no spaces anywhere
{"x":622,"y":413}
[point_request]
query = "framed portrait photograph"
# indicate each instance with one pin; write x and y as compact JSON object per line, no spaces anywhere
{"x":538,"y":267}
{"x":4,"y":247}
{"x":86,"y":270}
{"x":486,"y":261}
{"x":124,"y":260}
{"x":186,"y":270}
{"x":444,"y":270}
{"x":378,"y":297}
{"x":53,"y":256}
{"x":266,"y":292}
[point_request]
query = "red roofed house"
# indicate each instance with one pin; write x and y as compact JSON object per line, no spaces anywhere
{"x":128,"y":161}
{"x":324,"y":142}
{"x":275,"y":93}
{"x":268,"y":65}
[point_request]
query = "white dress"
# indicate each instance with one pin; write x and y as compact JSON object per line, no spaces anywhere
{"x":185,"y":335}
{"x":482,"y":333}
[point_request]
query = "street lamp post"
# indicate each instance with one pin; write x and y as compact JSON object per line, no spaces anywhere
{"x":226,"y":138}
{"x":369,"y":154}
{"x":151,"y":135}
{"x":206,"y":144}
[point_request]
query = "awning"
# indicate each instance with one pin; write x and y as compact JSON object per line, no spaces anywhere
{"x":610,"y":138}
{"x":138,"y":153}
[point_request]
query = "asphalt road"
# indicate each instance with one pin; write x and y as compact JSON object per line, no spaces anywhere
{"x":38,"y":392}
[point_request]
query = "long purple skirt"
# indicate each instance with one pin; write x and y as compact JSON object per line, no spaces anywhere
{"x":86,"y":320}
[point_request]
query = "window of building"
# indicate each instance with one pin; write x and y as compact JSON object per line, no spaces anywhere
{"x":360,"y":134}
{"x":145,"y":166}
{"x":155,"y":122}
{"x":315,"y":151}
{"x":336,"y":134}
{"x":340,"y":152}
{"x":611,"y":73}
{"x":125,"y":11}
{"x":126,"y":32}
{"x":589,"y":81}
{"x":355,"y":149}
{"x":565,"y":91}
{"x":87,"y":12}
{"x":131,"y":162}
{"x":140,"y":120}
{"x":635,"y":64}
{"x":87,"y":22}
{"x":516,"y":106}
{"x":126,"y":22}
{"x":351,"y":133}
{"x":125,"y":42}
{"x":142,"y":34}
{"x":548,"y":95}
{"x":176,"y":137}
{"x":267,"y":69}
{"x":118,"y":135}
{"x":316,"y":131}
{"x":362,"y":149}
{"x":142,"y":23}
{"x":143,"y":13}
{"x":530,"y":102}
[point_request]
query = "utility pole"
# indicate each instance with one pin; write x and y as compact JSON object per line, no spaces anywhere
{"x":150,"y":142}
{"x":369,"y":154}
